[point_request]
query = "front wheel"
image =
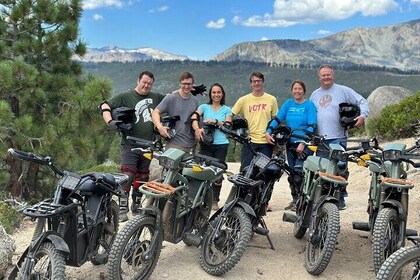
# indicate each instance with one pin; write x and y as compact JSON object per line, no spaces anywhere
{"x":48,"y":263}
{"x":321,"y":244}
{"x":136,"y":249}
{"x":402,"y":264}
{"x":386,"y":234}
{"x":109,"y":231}
{"x":222,"y":248}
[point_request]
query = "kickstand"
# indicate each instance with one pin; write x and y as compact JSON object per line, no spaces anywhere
{"x":263,"y":230}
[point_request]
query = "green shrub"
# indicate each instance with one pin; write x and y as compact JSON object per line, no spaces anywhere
{"x":10,"y":218}
{"x":397,"y":121}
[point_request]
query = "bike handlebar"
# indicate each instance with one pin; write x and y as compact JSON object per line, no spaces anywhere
{"x":28,"y":156}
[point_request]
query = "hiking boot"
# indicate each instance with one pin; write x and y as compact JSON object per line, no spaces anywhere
{"x":135,"y":208}
{"x":341,"y":204}
{"x":293,"y":208}
{"x":215,"y":206}
{"x":291,"y":204}
{"x":123,"y":217}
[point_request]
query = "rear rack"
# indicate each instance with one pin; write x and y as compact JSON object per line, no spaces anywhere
{"x":156,"y":188}
{"x":239,"y":179}
{"x":46,"y":209}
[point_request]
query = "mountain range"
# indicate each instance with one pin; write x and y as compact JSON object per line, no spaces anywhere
{"x":392,"y":46}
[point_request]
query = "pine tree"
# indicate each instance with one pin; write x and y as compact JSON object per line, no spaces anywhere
{"x":47,"y":105}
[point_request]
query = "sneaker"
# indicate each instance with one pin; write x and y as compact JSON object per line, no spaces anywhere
{"x":293,"y":208}
{"x":341,"y":204}
{"x":215,"y":206}
{"x":123,"y":217}
{"x":269,"y":208}
{"x":135,"y":208}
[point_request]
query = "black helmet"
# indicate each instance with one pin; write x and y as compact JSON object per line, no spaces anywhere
{"x":240,"y":125}
{"x":209,"y":130}
{"x":281,"y":134}
{"x":126,"y":116}
{"x":348,"y":112}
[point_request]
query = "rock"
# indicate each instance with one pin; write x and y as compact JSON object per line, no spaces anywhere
{"x":385,"y":95}
{"x":7,"y":248}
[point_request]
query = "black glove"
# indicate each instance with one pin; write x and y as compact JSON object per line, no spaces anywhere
{"x":114,"y":125}
{"x":198,"y":89}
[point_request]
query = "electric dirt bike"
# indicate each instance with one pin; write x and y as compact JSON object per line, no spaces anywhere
{"x":177,"y":209}
{"x":78,"y":224}
{"x":232,"y":226}
{"x":388,"y":199}
{"x":317,"y":204}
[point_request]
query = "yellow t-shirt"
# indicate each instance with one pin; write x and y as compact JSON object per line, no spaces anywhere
{"x":258,"y":111}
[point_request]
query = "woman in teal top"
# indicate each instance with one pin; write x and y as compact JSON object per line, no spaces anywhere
{"x":216,"y":112}
{"x":300,"y":116}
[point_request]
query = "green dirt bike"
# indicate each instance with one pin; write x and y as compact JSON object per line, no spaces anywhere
{"x":78,"y":224}
{"x":317,"y":204}
{"x":388,"y":199}
{"x":177,"y":209}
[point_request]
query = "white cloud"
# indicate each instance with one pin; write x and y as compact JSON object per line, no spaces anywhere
{"x":94,"y":4}
{"x":415,"y":1}
{"x":323,"y":32}
{"x":97,"y":17}
{"x":160,"y":9}
{"x":287,"y":13}
{"x":264,"y":39}
{"x":218,"y":24}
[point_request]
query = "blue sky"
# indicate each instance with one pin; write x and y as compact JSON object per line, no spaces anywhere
{"x":201,"y":29}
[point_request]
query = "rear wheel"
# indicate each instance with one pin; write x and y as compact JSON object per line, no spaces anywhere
{"x":48,"y":263}
{"x":298,"y":229}
{"x":109,"y":232}
{"x":222,"y":248}
{"x":402,"y":264}
{"x":321,"y":244}
{"x":386,"y":234}
{"x":134,"y":255}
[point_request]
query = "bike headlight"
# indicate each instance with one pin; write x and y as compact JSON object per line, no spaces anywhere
{"x":69,"y":180}
{"x":339,"y":155}
{"x":391,"y":154}
{"x":166,"y":162}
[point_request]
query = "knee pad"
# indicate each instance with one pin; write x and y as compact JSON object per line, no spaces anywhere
{"x":131,"y":174}
{"x":142,"y":175}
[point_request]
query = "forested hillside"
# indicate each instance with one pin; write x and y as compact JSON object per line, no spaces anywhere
{"x":234,"y":76}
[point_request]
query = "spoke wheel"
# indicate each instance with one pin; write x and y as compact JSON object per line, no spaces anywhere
{"x":321,"y":244}
{"x":48,"y":264}
{"x":128,"y":258}
{"x":402,"y":264}
{"x":386,"y":234}
{"x":221,"y":250}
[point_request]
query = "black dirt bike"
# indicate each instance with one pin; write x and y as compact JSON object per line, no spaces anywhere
{"x":78,"y":224}
{"x":176,"y":209}
{"x":388,"y":199}
{"x":232,"y":226}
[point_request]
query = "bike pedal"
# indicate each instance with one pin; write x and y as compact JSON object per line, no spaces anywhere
{"x":193,"y":239}
{"x":261,"y":231}
{"x":411,"y":232}
{"x":288,"y":217}
{"x":361,"y":226}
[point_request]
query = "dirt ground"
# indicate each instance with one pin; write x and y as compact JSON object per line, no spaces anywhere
{"x":351,"y":260}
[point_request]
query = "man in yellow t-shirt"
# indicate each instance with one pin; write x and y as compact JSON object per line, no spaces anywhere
{"x":258,"y":108}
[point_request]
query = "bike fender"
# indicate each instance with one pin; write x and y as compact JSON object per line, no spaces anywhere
{"x":14,"y":274}
{"x":248,"y":209}
{"x":323,"y":199}
{"x":226,"y":208}
{"x":397,"y":206}
{"x":58,"y":242}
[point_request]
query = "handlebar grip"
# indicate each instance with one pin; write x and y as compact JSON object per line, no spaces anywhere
{"x":219,"y":164}
{"x":29,"y":156}
{"x":210,"y":161}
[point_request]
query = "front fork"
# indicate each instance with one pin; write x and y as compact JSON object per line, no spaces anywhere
{"x":156,"y":213}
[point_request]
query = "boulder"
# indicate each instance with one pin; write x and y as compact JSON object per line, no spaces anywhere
{"x":385,"y":95}
{"x":7,"y":248}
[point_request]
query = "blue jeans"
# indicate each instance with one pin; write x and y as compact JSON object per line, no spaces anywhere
{"x":341,"y":164}
{"x":247,"y":155}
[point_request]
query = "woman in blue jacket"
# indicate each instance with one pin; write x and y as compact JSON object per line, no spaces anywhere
{"x":300,"y":116}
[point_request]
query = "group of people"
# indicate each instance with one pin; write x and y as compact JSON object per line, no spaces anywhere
{"x":318,"y":114}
